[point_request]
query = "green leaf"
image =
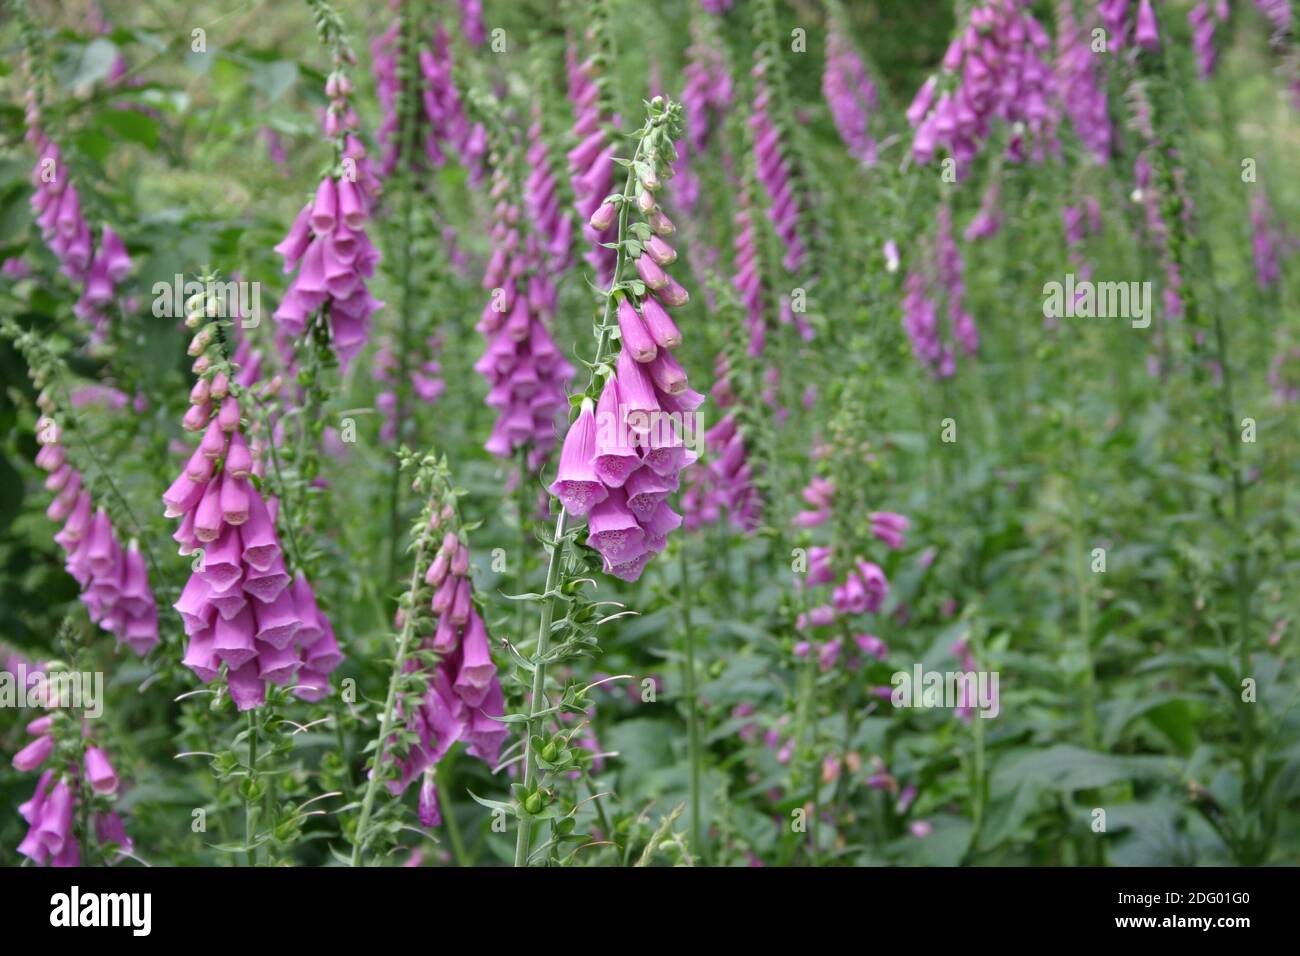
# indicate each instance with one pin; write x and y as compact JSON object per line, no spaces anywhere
{"x":95,"y":63}
{"x":133,"y":126}
{"x":275,"y":79}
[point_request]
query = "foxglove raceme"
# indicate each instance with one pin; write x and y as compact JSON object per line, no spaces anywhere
{"x":328,"y":244}
{"x":49,"y":814}
{"x":244,"y":615}
{"x":747,"y":278}
{"x":707,"y":96}
{"x":114,"y":581}
{"x":850,"y":94}
{"x":1265,"y":241}
{"x":449,"y":128}
{"x":727,"y":483}
{"x":940,"y":278}
{"x":994,"y":69}
{"x":591,"y":163}
{"x":1204,"y":17}
{"x":99,"y":268}
{"x":633,"y":445}
{"x":463,"y":695}
{"x":1080,"y":81}
{"x":526,"y":371}
{"x":774,"y":171}
{"x":542,"y":199}
{"x":425,"y":382}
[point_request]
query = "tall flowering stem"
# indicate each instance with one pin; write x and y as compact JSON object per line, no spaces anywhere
{"x":95,"y":268}
{"x":994,"y":69}
{"x":460,"y":697}
{"x":594,"y":470}
{"x":248,"y":618}
{"x":590,"y":172}
{"x":526,"y":372}
{"x":406,"y":120}
{"x":114,"y":581}
{"x":849,"y":89}
{"x":74,"y":793}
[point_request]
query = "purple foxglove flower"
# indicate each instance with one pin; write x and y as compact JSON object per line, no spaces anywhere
{"x":277,"y":620}
{"x":232,"y":640}
{"x":660,"y":325}
{"x":635,"y":337}
{"x":111,"y":831}
{"x":261,"y":545}
{"x":247,"y":688}
{"x":100,"y":773}
{"x":53,"y":829}
{"x":889,"y":527}
{"x":430,"y":813}
{"x":615,"y":457}
{"x":325,"y":208}
{"x":476,"y":668}
{"x":34,"y":754}
{"x":872,"y":646}
{"x":1147,"y":33}
{"x":577,"y":484}
{"x":614,"y":531}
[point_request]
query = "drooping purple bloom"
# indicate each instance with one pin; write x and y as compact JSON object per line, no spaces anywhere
{"x":463,"y":694}
{"x":240,"y":608}
{"x":327,"y":243}
{"x":851,"y":95}
{"x":994,"y":69}
{"x":114,"y":581}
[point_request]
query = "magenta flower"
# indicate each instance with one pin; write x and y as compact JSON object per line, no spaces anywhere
{"x":727,"y":482}
{"x":424,"y":379}
{"x":241,"y":609}
{"x":327,"y":243}
{"x":114,"y":581}
{"x":994,"y":69}
{"x":775,"y":172}
{"x":49,"y":814}
{"x":940,"y":279}
{"x":1203,"y":20}
{"x":591,"y":163}
{"x":645,"y":411}
{"x":850,"y":94}
{"x":1081,"y":84}
{"x":97,"y":268}
{"x":577,"y":484}
{"x":525,"y":370}
{"x":463,"y":695}
{"x":542,"y":199}
{"x":707,"y":96}
{"x":449,"y":127}
{"x":1146,"y":32}
{"x":471,"y":21}
{"x":1265,"y":241}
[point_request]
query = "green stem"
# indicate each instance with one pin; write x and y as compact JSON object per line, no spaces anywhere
{"x":524,"y":837}
{"x":410,"y":106}
{"x":692,"y":708}
{"x":390,"y":703}
{"x":441,"y":774}
{"x":250,"y":806}
{"x":521,"y":571}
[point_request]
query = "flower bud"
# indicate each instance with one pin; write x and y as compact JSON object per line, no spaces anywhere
{"x":604,"y":216}
{"x":660,"y":224}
